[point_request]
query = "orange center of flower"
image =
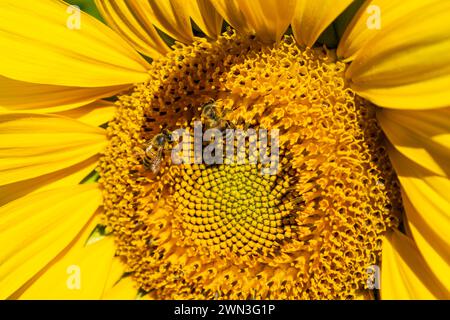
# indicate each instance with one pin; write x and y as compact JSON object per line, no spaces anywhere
{"x":227,"y":230}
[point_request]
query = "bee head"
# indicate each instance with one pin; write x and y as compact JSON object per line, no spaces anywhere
{"x":167,"y":135}
{"x":160,"y":139}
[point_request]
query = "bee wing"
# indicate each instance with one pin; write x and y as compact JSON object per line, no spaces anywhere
{"x":229,"y":124}
{"x":156,"y":165}
{"x":156,"y":161}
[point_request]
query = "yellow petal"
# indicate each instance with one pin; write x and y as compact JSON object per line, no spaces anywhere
{"x":427,"y":206}
{"x":204,"y":16}
{"x":369,"y":21}
{"x":125,"y":289}
{"x":36,"y":228}
{"x":404,"y":273}
{"x":70,"y":176}
{"x":167,"y":15}
{"x":434,"y":247}
{"x":137,"y":30}
{"x":407,"y":65}
{"x":268,"y":18}
{"x":42,"y":98}
{"x":79,"y":272}
{"x":421,"y":136}
{"x":40,"y":43}
{"x":115,"y":273}
{"x":231,"y":11}
{"x":427,"y":192}
{"x":363,"y":28}
{"x":421,"y":95}
{"x":32,"y":145}
{"x":119,"y":286}
{"x":95,"y":114}
{"x":312,"y":17}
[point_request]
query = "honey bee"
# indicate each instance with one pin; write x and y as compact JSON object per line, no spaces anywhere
{"x":213,"y":118}
{"x":154,"y":151}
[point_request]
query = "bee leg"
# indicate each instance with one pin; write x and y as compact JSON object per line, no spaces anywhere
{"x":138,"y":153}
{"x":230,"y":125}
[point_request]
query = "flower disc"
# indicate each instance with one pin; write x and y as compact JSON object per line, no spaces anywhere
{"x":228,"y":230}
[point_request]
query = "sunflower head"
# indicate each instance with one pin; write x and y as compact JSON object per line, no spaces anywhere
{"x":243,"y":149}
{"x":228,"y":230}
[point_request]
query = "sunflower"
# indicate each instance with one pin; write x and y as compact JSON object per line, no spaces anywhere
{"x":364,"y":134}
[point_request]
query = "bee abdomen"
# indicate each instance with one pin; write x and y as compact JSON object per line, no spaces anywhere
{"x":147,"y":163}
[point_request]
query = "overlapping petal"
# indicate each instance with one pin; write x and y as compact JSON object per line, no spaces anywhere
{"x":94,"y":114}
{"x":136,"y":21}
{"x":205,"y":16}
{"x":421,"y":136}
{"x":406,"y":64}
{"x":41,"y":44}
{"x":32,"y":97}
{"x":267,"y":19}
{"x":36,"y":228}
{"x":427,"y":206}
{"x":115,"y":273}
{"x":232,"y":13}
{"x":311,"y":18}
{"x":404,"y":273}
{"x":124,"y":289}
{"x":169,"y":16}
{"x":369,"y":21}
{"x":432,"y":245}
{"x":80,"y":271}
{"x":32,"y":145}
{"x":122,"y":16}
{"x":70,"y":176}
